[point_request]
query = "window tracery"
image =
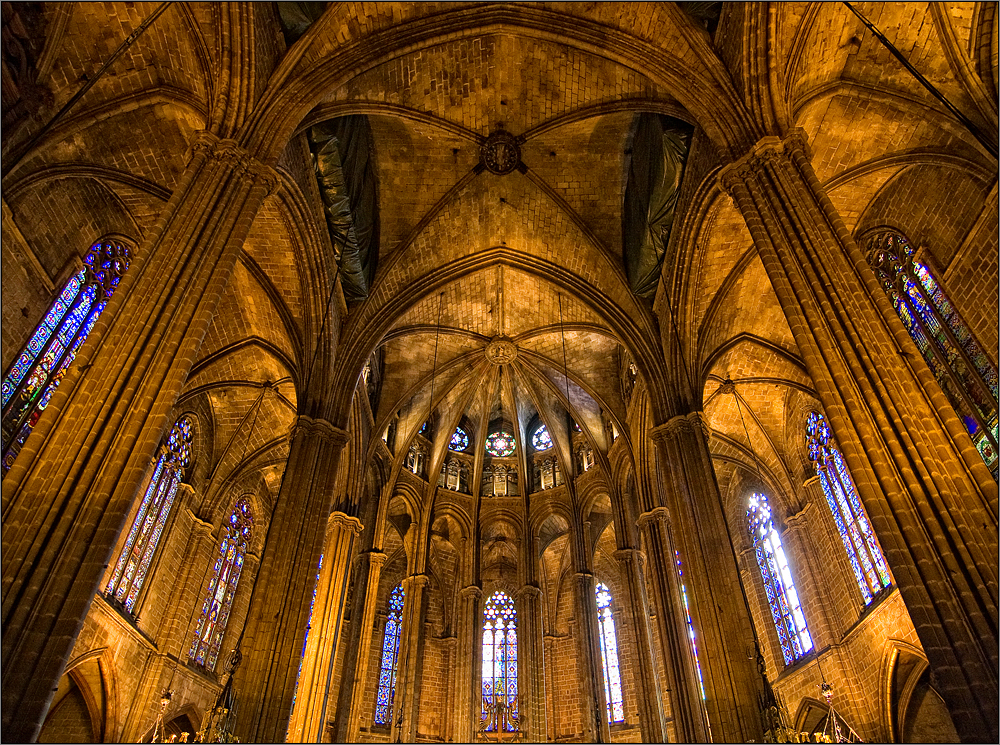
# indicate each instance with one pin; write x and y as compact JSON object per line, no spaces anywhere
{"x":863,"y":551}
{"x":781,"y":595}
{"x":140,"y":545}
{"x":500,"y":654}
{"x":500,"y":444}
{"x":41,"y":366}
{"x":459,"y":441}
{"x":964,"y":372}
{"x":390,"y":657}
{"x":541,"y":440}
{"x":222,"y":587}
{"x":609,"y":656}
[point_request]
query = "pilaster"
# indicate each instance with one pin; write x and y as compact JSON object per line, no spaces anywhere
{"x":404,"y":725}
{"x":595,"y":727}
{"x":531,"y":661}
{"x":469,"y":664}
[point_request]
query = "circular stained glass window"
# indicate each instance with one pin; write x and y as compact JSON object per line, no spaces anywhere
{"x":541,"y":439}
{"x":459,"y":440}
{"x":500,"y":444}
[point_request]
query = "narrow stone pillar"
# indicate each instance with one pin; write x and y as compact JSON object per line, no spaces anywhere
{"x":279,"y":610}
{"x":717,"y":604}
{"x":589,"y":659}
{"x":682,"y":681}
{"x":308,"y":720}
{"x":469,"y":703}
{"x":356,"y":655}
{"x":531,"y":664}
{"x":66,"y":497}
{"x":648,"y":695}
{"x":930,"y":497}
{"x":408,"y":675}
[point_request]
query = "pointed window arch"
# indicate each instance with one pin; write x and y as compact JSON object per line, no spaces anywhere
{"x":863,"y":551}
{"x":781,"y":595}
{"x":222,"y":588}
{"x":500,"y":656}
{"x":609,"y":656}
{"x":390,"y":657}
{"x":41,"y":366}
{"x":140,"y":545}
{"x":964,"y":372}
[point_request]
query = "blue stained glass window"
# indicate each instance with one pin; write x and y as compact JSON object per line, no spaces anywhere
{"x":690,"y":625}
{"x":863,"y":551}
{"x":500,"y":655}
{"x":965,"y":373}
{"x":222,"y":588}
{"x":459,"y":440}
{"x":41,"y":366}
{"x":390,"y":657}
{"x":781,"y":595}
{"x":140,"y":544}
{"x":541,"y":440}
{"x":500,"y":444}
{"x":609,"y":656}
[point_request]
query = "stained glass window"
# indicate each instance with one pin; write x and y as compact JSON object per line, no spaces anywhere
{"x":222,"y":588}
{"x":964,"y":372}
{"x":541,"y":440}
{"x":390,"y":657}
{"x":459,"y":440}
{"x":690,"y":625}
{"x":500,"y":655}
{"x":140,"y":545}
{"x":781,"y":594}
{"x":609,"y":655}
{"x":870,"y":569}
{"x":41,"y":366}
{"x":500,"y":444}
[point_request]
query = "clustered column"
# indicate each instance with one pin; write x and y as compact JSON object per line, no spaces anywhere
{"x":469,"y":666}
{"x":531,"y":661}
{"x":930,"y":498}
{"x":67,"y":496}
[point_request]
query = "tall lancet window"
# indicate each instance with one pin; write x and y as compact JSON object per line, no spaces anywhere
{"x":964,"y":372}
{"x":53,"y":346}
{"x":784,"y":601}
{"x":222,"y":588}
{"x":390,"y":657}
{"x":140,"y":545}
{"x":609,"y":656}
{"x":870,"y":569}
{"x":500,"y":656}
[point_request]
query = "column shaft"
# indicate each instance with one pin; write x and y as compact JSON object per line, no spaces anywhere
{"x":469,"y":664}
{"x":67,"y":496}
{"x":589,"y":659}
{"x":531,"y":661}
{"x":930,"y":497}
{"x":408,"y":676}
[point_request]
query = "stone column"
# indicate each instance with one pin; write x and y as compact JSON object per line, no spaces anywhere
{"x":410,"y":658}
{"x":690,"y":724}
{"x":589,"y":659}
{"x":718,"y":607}
{"x":648,"y":696}
{"x":531,"y":664}
{"x":66,"y":498}
{"x":308,"y":720}
{"x":930,"y":498}
{"x":279,"y":609}
{"x":469,"y":704}
{"x":352,"y":687}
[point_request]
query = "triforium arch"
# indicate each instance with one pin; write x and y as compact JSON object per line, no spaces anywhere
{"x":360,"y":221}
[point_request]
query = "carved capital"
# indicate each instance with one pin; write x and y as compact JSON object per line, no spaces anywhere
{"x":680,"y":425}
{"x":375,"y":558}
{"x":320,"y":428}
{"x":471,"y":591}
{"x":529,"y":591}
{"x":345,"y":522}
{"x":801,"y":518}
{"x":415,"y":581}
{"x":657,"y":515}
{"x":631,"y":555}
{"x":794,"y":143}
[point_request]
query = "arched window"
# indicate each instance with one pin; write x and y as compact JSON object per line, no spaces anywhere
{"x":390,"y":657}
{"x":136,"y":555}
{"x":781,"y":595}
{"x":43,"y":363}
{"x":541,"y":440}
{"x":866,"y":557}
{"x":222,"y":588}
{"x":500,"y":656}
{"x":459,"y":440}
{"x":964,"y":372}
{"x":609,"y":656}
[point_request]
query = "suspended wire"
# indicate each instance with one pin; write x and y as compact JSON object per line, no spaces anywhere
{"x":437,"y":338}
